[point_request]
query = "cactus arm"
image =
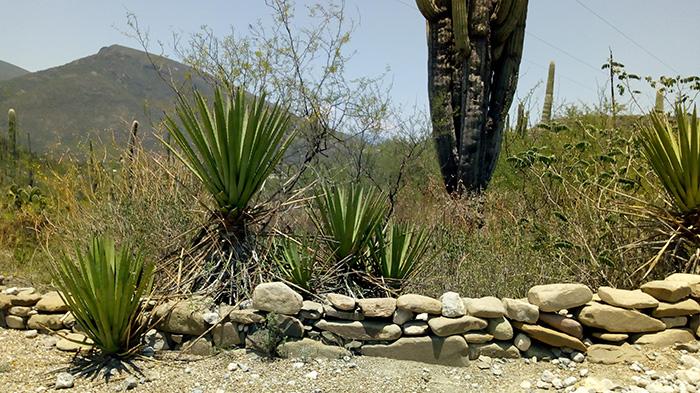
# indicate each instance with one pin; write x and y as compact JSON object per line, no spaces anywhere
{"x":428,"y":8}
{"x":504,"y":9}
{"x":505,"y":29}
{"x":460,"y":24}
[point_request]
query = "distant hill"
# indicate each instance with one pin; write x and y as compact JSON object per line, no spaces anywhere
{"x":95,"y":97}
{"x":9,"y":71}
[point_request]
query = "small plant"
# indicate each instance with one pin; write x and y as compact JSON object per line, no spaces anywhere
{"x":399,"y":250}
{"x":103,"y":289}
{"x":294,"y":262}
{"x":267,"y":339}
{"x":347,"y":218}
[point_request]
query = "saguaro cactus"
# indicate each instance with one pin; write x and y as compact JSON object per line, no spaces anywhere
{"x":474,"y":52}
{"x":548,"y":96}
{"x":12,"y":132}
{"x":521,"y":121}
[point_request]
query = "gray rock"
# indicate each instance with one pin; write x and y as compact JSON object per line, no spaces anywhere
{"x":311,"y":349}
{"x":673,"y":322}
{"x":51,"y":302}
{"x":341,"y":302}
{"x":500,"y":329}
{"x":448,"y":351}
{"x":277,"y":297}
{"x":377,"y":307}
{"x":665,"y":338}
{"x":452,"y":305}
{"x":184,"y":317}
{"x":477,"y":337}
{"x":226,"y":335}
{"x":555,"y":297}
{"x":520,"y":310}
{"x":210,"y":317}
{"x":522,"y":342}
{"x":246,"y":317}
{"x":15,"y":322}
{"x":627,"y":299}
{"x":667,"y":291}
{"x":613,"y":354}
{"x":311,"y":310}
{"x":444,"y":327}
{"x":361,"y":330}
{"x":74,"y":342}
{"x":618,"y":320}
{"x":290,"y":326}
{"x":485,"y":307}
{"x":682,"y":308}
{"x":402,"y":316}
{"x":45,"y":322}
{"x":419,"y":304}
{"x":64,"y":380}
{"x":20,"y":311}
{"x":498,"y":349}
{"x":28,"y":299}
{"x":331,"y":312}
{"x":199,"y":346}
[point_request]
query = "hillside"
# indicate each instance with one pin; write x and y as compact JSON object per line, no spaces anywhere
{"x":9,"y":71}
{"x":94,"y":97}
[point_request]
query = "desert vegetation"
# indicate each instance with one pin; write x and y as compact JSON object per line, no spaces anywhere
{"x":290,"y":170}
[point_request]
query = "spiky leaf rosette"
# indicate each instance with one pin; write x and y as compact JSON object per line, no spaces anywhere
{"x":399,"y":250}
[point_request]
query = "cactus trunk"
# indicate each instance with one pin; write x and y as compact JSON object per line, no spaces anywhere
{"x":521,"y":122}
{"x":12,"y":132}
{"x":474,"y":52}
{"x":659,"y":105}
{"x":548,"y":96}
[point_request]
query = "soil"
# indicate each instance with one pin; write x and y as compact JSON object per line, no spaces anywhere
{"x":30,"y":365}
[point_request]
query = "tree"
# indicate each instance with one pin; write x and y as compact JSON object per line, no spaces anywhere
{"x":474,"y":52}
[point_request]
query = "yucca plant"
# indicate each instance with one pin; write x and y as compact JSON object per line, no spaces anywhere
{"x":232,"y":147}
{"x":399,"y":249}
{"x":673,"y":153}
{"x":347,"y":217}
{"x":294,"y":261}
{"x":103,"y":289}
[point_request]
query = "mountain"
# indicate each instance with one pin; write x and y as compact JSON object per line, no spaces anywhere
{"x":9,"y":71}
{"x":95,"y":97}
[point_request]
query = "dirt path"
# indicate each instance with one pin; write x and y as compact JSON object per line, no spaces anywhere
{"x":28,"y":365}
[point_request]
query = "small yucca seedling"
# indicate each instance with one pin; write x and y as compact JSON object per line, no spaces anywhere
{"x":399,"y":250}
{"x":347,"y":217}
{"x":294,"y":261}
{"x":103,"y":289}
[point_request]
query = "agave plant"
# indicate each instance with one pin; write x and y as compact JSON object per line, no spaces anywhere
{"x":347,"y":217}
{"x":294,"y":262}
{"x":399,"y":250}
{"x":103,"y":289}
{"x":232,"y":147}
{"x":675,"y":157}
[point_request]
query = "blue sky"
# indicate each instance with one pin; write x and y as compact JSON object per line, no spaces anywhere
{"x":40,"y":34}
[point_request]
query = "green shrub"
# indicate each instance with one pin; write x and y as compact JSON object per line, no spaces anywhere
{"x":103,"y":289}
{"x":295,"y":262}
{"x":398,"y":250}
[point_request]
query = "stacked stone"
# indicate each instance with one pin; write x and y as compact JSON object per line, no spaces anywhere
{"x":24,"y":308}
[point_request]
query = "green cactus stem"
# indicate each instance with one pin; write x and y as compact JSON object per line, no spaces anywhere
{"x":132,"y":140}
{"x":12,"y":131}
{"x":548,"y":96}
{"x":521,"y":120}
{"x":659,"y":105}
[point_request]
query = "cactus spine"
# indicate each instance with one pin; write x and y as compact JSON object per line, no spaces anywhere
{"x":659,"y":105}
{"x":548,"y":96}
{"x":474,"y":52}
{"x":12,"y":131}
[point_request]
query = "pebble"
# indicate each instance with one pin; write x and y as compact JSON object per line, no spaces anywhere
{"x":130,"y":383}
{"x":526,"y":385}
{"x":578,"y":357}
{"x":583,"y":372}
{"x":210,"y":317}
{"x":64,"y":381}
{"x":31,"y":334}
{"x":312,"y":375}
{"x":547,"y":376}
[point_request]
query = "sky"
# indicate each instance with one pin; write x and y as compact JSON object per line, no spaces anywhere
{"x":650,"y":37}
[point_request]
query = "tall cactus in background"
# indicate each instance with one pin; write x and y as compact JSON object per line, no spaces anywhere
{"x":474,"y":52}
{"x":659,"y":104}
{"x":548,"y":96}
{"x":521,"y":121}
{"x":12,"y":132}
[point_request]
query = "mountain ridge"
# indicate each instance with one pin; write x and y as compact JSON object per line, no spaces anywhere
{"x":9,"y":71}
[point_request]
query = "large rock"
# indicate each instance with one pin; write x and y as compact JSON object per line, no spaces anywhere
{"x":74,"y":342}
{"x":550,"y":336}
{"x":201,"y":346}
{"x":341,"y":302}
{"x":682,"y":308}
{"x":311,"y":310}
{"x":185,"y":317}
{"x":561,"y":323}
{"x":613,"y":354}
{"x":627,"y":299}
{"x":485,"y":307}
{"x":277,"y":297}
{"x":361,"y":330}
{"x":246,"y":317}
{"x":226,"y":335}
{"x":5,"y":301}
{"x":667,"y":291}
{"x":25,"y":299}
{"x":522,"y":342}
{"x":51,"y":302}
{"x":45,"y":322}
{"x":555,"y":297}
{"x":693,"y":281}
{"x":20,"y":311}
{"x":452,"y":305}
{"x":448,"y":351}
{"x":520,"y":310}
{"x":618,"y":320}
{"x":402,"y":316}
{"x":477,"y":337}
{"x":15,"y":322}
{"x":501,"y":350}
{"x":665,"y":338}
{"x":289,"y":326}
{"x":332,"y":312}
{"x":377,"y":307}
{"x":444,"y":327}
{"x":419,"y":304}
{"x":500,"y":328}
{"x":308,"y":348}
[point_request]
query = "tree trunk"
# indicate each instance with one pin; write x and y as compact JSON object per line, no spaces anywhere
{"x":474,"y":55}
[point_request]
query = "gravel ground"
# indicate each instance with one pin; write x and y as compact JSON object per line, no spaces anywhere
{"x":29,"y":365}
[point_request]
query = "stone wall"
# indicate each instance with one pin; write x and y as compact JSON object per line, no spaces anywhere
{"x":554,"y":320}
